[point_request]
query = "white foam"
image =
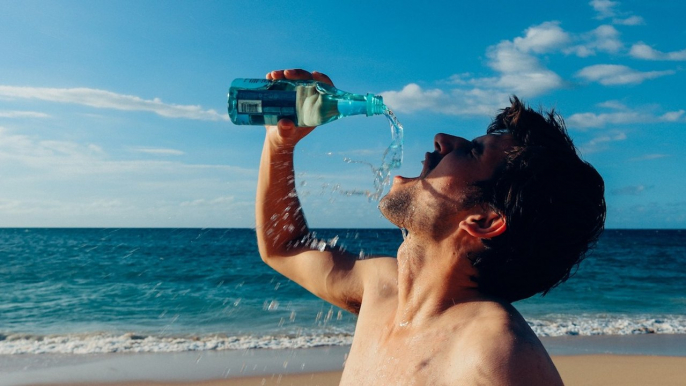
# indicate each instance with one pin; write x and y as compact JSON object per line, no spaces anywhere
{"x":608,"y":325}
{"x":100,"y":343}
{"x":131,"y":343}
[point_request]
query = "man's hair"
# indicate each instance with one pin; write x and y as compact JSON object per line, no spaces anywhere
{"x":552,"y":201}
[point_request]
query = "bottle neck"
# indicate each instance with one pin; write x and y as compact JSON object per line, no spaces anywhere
{"x":375,"y":105}
{"x":369,"y":105}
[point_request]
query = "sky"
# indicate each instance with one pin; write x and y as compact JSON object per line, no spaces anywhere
{"x":113,"y":114}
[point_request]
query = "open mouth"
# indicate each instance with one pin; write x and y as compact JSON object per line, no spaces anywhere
{"x":431,"y":160}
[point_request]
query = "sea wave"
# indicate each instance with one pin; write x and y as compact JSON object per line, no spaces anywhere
{"x":101,"y":343}
{"x":14,"y":344}
{"x":608,"y":325}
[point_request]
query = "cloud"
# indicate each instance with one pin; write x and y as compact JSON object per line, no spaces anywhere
{"x":73,"y":160}
{"x":604,"y":8}
{"x":158,"y":151}
{"x":109,"y":100}
{"x":673,"y":116}
{"x":641,"y":50}
{"x":605,"y":38}
{"x":621,"y":116}
{"x":65,"y":183}
{"x":601,"y":142}
{"x":412,"y":98}
{"x":613,"y":104}
{"x":631,"y":190}
{"x":520,"y":72}
{"x":614,"y":137}
{"x":542,"y":38}
{"x":593,"y":120}
{"x":517,"y":71}
{"x":649,"y":157}
{"x":631,"y":20}
{"x":614,"y":74}
{"x":23,"y":114}
{"x":219,"y":201}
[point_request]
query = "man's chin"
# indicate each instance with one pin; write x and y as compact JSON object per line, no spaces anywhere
{"x":395,"y":206}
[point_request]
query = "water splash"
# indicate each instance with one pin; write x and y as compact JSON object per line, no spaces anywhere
{"x":392,"y":159}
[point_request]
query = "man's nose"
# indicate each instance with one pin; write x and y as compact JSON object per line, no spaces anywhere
{"x":445,"y":143}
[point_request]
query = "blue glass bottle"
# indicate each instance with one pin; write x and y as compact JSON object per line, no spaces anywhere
{"x":305,"y":102}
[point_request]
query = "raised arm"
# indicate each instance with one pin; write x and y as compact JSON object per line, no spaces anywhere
{"x":282,"y":232}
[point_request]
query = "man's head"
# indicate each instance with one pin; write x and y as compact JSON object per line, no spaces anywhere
{"x":535,"y":205}
{"x":552,"y":201}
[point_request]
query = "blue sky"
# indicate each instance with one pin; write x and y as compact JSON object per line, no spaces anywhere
{"x":113,"y":114}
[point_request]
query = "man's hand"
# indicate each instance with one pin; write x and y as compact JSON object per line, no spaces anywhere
{"x":332,"y":274}
{"x":285,"y":135}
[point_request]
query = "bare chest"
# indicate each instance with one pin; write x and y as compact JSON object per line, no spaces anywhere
{"x":379,"y":357}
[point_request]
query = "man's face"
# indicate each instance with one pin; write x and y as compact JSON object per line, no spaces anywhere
{"x":433,"y":201}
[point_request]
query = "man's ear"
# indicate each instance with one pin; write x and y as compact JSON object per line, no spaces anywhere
{"x":485,"y":224}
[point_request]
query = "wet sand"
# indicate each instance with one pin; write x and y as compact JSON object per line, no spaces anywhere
{"x":576,"y":370}
{"x":582,"y":361}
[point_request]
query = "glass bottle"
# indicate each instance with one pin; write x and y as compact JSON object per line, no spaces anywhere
{"x":305,"y":102}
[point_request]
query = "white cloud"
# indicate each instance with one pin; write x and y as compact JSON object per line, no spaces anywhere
{"x":673,"y":116}
{"x":23,"y":114}
{"x":412,"y":98}
{"x":631,"y":190}
{"x":73,"y":160}
{"x":621,"y":116}
{"x":110,"y":100}
{"x":592,"y":120}
{"x":649,"y":157}
{"x":605,"y":38}
{"x":631,"y":20}
{"x":604,"y":8}
{"x":643,"y":51}
{"x":64,"y":183}
{"x":219,"y":201}
{"x":613,"y":104}
{"x":542,"y":38}
{"x":475,"y":101}
{"x":158,"y":151}
{"x":506,"y":58}
{"x":601,"y":142}
{"x":517,"y":71}
{"x":613,"y":74}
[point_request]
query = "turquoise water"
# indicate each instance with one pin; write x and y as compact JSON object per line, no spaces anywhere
{"x":106,"y":290}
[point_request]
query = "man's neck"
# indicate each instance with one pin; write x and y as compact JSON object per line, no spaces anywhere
{"x":432,"y":278}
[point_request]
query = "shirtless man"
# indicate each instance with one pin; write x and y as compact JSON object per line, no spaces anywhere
{"x":490,"y":221}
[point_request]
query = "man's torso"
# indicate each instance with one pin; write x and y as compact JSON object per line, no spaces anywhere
{"x":461,"y":346}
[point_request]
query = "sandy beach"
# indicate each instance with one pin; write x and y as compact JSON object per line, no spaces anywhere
{"x":576,"y":370}
{"x":582,"y":361}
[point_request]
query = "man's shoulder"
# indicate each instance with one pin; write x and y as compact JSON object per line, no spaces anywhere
{"x":502,"y":348}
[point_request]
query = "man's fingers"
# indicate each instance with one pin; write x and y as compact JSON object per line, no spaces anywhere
{"x":277,"y":74}
{"x":297,"y":74}
{"x":318,"y":76}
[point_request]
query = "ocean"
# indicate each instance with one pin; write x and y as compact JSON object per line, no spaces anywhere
{"x":84,"y":291}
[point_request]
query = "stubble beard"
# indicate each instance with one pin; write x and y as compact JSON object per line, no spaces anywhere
{"x":397,"y":207}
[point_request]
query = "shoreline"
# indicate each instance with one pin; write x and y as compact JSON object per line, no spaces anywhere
{"x":575,"y":370}
{"x":581,"y":360}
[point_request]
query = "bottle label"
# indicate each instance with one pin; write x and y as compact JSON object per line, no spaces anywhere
{"x":248,"y":106}
{"x":267,"y":105}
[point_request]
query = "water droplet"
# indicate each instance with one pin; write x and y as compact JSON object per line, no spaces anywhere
{"x":404,"y":233}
